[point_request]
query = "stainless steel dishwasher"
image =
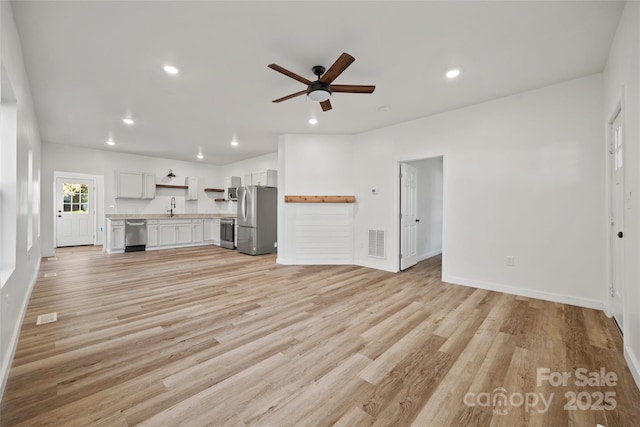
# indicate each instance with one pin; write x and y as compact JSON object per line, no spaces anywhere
{"x":135,"y":235}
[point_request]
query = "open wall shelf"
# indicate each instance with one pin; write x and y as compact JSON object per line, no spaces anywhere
{"x":180,"y":187}
{"x":320,"y":199}
{"x":214,"y":190}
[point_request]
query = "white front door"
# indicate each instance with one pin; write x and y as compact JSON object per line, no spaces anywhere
{"x":616,"y":235}
{"x":408,"y":216}
{"x":74,"y":212}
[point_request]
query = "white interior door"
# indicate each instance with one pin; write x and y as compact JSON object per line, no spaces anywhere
{"x":408,"y":216}
{"x":616,"y":235}
{"x":75,"y":218}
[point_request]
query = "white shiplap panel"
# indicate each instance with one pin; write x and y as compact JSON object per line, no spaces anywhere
{"x":324,"y":234}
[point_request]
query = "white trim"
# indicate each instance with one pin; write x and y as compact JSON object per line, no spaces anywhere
{"x":618,"y":109}
{"x":529,"y":293}
{"x":98,"y":208}
{"x":396,"y":211}
{"x":8,"y":359}
{"x":383,"y":267}
{"x":429,"y":255}
{"x":632,"y":362}
{"x":284,"y":261}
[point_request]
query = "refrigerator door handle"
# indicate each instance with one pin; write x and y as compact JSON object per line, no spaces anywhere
{"x":244,"y":204}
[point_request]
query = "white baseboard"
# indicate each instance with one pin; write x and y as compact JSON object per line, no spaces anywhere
{"x":529,"y":293}
{"x":429,"y":255}
{"x":284,"y":261}
{"x":383,"y":267}
{"x":6,"y":365}
{"x":632,"y":362}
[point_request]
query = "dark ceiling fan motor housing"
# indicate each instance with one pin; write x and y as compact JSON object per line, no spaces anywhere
{"x":318,"y":85}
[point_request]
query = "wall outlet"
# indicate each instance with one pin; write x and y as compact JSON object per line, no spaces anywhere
{"x":511,"y":261}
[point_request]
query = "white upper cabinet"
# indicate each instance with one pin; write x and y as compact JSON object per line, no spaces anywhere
{"x":129,"y":185}
{"x":192,"y":188}
{"x":268,"y":178}
{"x":272,"y":178}
{"x":149,"y":190}
{"x":135,"y":185}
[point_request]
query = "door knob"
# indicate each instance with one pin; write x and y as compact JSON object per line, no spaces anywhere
{"x":620,"y":234}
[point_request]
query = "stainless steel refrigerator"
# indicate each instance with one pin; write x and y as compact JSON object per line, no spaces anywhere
{"x":257,"y":219}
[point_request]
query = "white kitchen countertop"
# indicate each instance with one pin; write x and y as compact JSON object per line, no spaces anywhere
{"x":167,"y":216}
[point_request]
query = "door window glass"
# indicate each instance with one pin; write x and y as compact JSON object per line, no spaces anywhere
{"x":76,"y":198}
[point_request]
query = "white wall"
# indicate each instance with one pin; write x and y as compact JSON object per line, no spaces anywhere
{"x":524,"y":177}
{"x":15,"y":293}
{"x":430,"y":206}
{"x":315,"y":233}
{"x":104,"y":163}
{"x":622,"y":75}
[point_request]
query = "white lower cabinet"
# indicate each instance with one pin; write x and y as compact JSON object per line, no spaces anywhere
{"x":172,"y":232}
{"x":211,"y":230}
{"x":167,"y":233}
{"x":115,"y":242}
{"x":152,"y":233}
{"x":183,"y":234}
{"x":196,"y":231}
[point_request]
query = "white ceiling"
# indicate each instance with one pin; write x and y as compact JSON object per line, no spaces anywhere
{"x":91,"y":63}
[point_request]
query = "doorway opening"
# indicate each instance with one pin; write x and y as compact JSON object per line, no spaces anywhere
{"x":617,"y":164}
{"x":421,"y":219}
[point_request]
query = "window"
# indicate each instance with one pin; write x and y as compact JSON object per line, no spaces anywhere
{"x":30,"y":199}
{"x":8,"y":177}
{"x":617,"y":147}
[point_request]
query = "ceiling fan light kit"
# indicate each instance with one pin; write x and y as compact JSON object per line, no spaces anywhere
{"x":321,"y":89}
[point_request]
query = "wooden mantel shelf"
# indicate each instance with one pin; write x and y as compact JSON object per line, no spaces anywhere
{"x":320,"y":199}
{"x":214,"y":190}
{"x":182,"y":187}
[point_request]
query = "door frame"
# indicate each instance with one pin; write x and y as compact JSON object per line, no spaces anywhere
{"x":397,"y":207}
{"x":617,"y":110}
{"x":98,"y":185}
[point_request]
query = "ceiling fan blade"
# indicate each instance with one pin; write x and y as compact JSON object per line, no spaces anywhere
{"x":337,"y":68}
{"x":293,"y":95}
{"x":353,"y":88}
{"x":326,"y":105}
{"x":289,"y":74}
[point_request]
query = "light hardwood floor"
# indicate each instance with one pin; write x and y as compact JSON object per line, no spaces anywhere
{"x":207,"y":336}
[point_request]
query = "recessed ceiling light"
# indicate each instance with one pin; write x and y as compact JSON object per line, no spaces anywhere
{"x":452,"y":74}
{"x":128,"y":121}
{"x":170,"y":69}
{"x":234,"y":143}
{"x":110,"y":142}
{"x":313,"y":121}
{"x":200,"y":156}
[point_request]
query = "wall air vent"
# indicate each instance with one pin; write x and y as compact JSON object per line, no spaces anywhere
{"x":376,"y":243}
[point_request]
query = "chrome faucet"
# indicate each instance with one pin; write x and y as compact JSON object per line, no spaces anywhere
{"x":172,"y":206}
